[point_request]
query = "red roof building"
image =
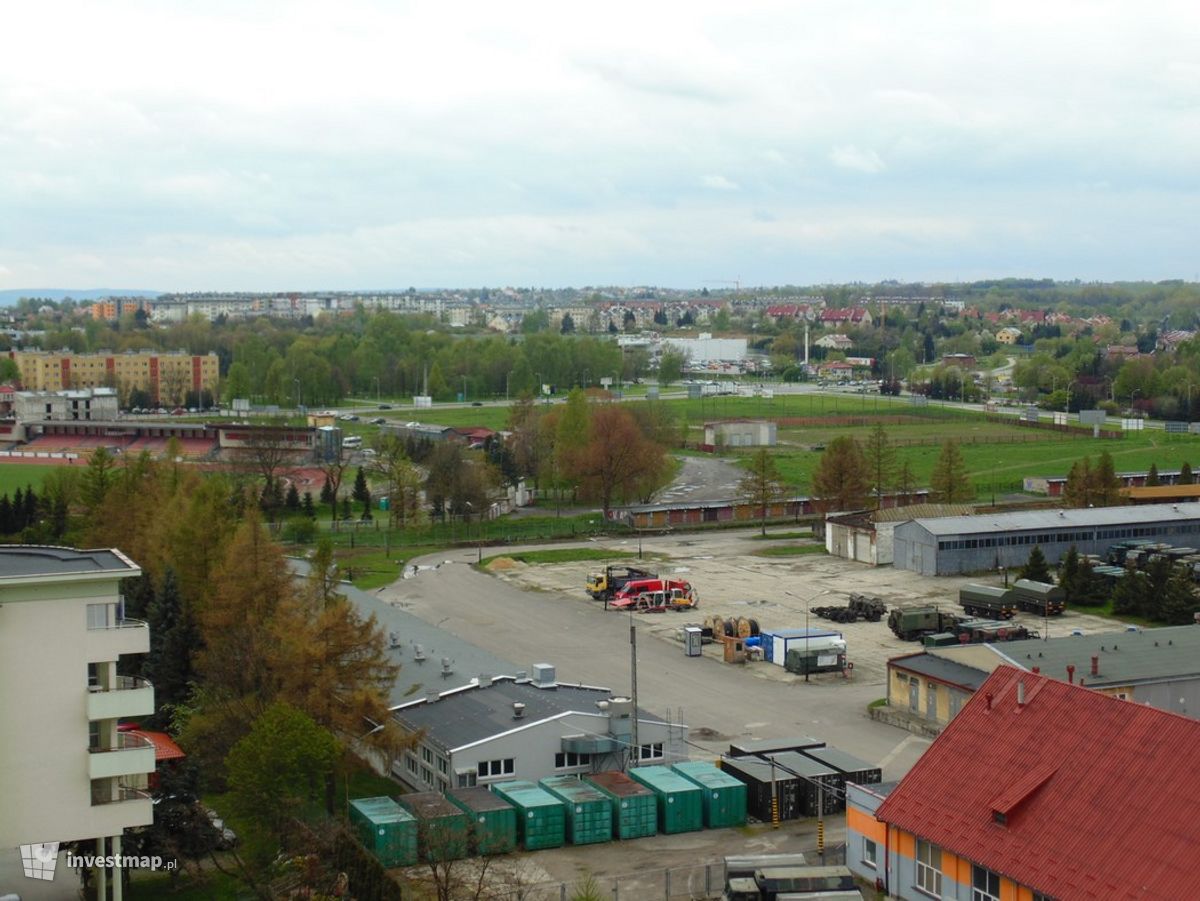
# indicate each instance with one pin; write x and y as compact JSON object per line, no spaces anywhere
{"x":1040,"y":789}
{"x":848,"y":316}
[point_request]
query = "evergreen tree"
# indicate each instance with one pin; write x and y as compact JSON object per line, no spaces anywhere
{"x":841,"y":481}
{"x":1068,"y":573}
{"x":31,"y":506}
{"x":309,"y":508}
{"x":58,"y":516}
{"x":292,"y":502}
{"x":1036,"y":569}
{"x":881,"y":460}
{"x":1152,"y":480}
{"x":949,"y":483}
{"x":1081,"y":484}
{"x":1185,"y":474}
{"x":174,"y":638}
{"x":1131,"y":594}
{"x":18,"y":511}
{"x":347,"y":512}
{"x":1090,"y":590}
{"x":361,"y":492}
{"x":1179,"y":603}
{"x":6,"y":515}
{"x":326,"y":493}
{"x":1158,"y":575}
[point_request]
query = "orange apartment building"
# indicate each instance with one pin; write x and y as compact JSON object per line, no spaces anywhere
{"x":1039,"y":790}
{"x":113,"y":308}
{"x":167,"y":377}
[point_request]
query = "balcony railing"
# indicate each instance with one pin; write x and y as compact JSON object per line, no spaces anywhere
{"x":126,"y":741}
{"x":127,"y":623}
{"x":123,"y":683}
{"x":107,"y":793}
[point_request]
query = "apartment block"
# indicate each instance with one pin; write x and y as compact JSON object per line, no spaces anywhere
{"x":66,"y":772}
{"x":167,"y":377}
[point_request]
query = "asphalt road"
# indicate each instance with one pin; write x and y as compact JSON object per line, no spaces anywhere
{"x":703,"y":479}
{"x":717,"y":701}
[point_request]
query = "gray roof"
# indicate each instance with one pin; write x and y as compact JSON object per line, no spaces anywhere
{"x":419,"y":680}
{"x":942,"y":670}
{"x":22,"y":561}
{"x":475,"y":714}
{"x":1079,"y":518}
{"x":1126,"y":658}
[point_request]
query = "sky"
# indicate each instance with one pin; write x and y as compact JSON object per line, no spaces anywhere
{"x":253,"y":145}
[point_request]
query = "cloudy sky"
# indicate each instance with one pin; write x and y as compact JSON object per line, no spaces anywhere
{"x":260,"y":145}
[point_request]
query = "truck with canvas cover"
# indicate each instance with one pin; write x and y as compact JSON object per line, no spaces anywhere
{"x":1040,"y":598}
{"x":988,"y":601}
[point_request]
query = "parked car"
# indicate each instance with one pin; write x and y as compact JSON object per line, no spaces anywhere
{"x":378,"y":420}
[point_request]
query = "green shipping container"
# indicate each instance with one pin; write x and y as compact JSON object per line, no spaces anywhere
{"x":443,"y":829}
{"x":679,"y":801}
{"x":495,"y":820}
{"x":724,"y":797}
{"x":634,"y":807}
{"x":386,"y":829}
{"x":589,"y":815}
{"x":541,"y":820}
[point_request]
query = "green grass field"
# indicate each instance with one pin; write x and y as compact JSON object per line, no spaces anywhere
{"x":20,"y":475}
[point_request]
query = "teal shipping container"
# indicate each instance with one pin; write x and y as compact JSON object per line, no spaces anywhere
{"x":635,"y":807}
{"x":494,"y":829}
{"x":589,"y":816}
{"x":679,"y":801}
{"x":442,"y":828}
{"x":541,"y":819}
{"x":386,"y":829}
{"x":724,"y":796}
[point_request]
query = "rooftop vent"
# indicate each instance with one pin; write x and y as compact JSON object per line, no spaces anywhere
{"x":418,"y":653}
{"x":447,"y":668}
{"x":543,"y":675}
{"x":518,"y":710}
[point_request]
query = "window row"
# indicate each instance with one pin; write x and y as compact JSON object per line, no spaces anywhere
{"x":505,"y":767}
{"x":651,"y":751}
{"x":566,"y":759}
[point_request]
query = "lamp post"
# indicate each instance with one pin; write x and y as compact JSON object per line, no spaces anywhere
{"x":297,"y":383}
{"x":807,"y":604}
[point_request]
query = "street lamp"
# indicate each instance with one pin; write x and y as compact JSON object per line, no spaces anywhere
{"x":807,"y":604}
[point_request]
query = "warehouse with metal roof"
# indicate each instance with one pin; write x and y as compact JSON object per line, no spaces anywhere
{"x":951,"y":545}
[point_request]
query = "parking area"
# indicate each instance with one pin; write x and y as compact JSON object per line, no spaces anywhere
{"x":733,"y":582}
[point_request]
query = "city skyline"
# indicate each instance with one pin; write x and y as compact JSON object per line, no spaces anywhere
{"x":314,"y":146}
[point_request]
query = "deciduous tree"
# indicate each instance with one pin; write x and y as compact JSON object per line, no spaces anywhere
{"x":949,"y":482}
{"x":618,"y":461}
{"x":761,"y":485}
{"x":841,"y":481}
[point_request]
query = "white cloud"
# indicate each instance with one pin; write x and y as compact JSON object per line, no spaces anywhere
{"x":173,"y":144}
{"x":848,"y":156}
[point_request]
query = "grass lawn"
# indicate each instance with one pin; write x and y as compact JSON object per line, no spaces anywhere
{"x":569,"y":555}
{"x":791,"y":550}
{"x":20,"y":475}
{"x":780,"y":536}
{"x":214,"y":886}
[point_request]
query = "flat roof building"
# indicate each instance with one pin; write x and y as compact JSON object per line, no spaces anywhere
{"x":67,"y":773}
{"x":964,"y":544}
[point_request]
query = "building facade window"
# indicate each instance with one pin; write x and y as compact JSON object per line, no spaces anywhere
{"x":652,"y":751}
{"x":985,"y":885}
{"x":442,"y":765}
{"x":929,"y":868}
{"x":101,"y":616}
{"x":427,"y":755}
{"x":491,"y":768}
{"x":564,"y":760}
{"x":868,"y":855}
{"x":465,"y":780}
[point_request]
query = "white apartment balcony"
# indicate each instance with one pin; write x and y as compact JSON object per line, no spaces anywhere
{"x":129,"y":696}
{"x":109,"y":643}
{"x":116,"y":807}
{"x":132,"y":755}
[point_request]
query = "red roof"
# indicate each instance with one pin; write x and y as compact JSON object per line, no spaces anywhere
{"x":164,"y":746}
{"x":1100,"y":798}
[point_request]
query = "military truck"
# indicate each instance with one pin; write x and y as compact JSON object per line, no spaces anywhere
{"x":988,"y":601}
{"x":1041,"y":598}
{"x":604,"y":585}
{"x":916,"y":622}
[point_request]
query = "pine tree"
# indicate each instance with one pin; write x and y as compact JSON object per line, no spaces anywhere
{"x":1036,"y":569}
{"x":292,"y":502}
{"x":1152,"y":480}
{"x":1068,"y":573}
{"x":1080,"y":484}
{"x":1179,"y":602}
{"x":18,"y":511}
{"x":1185,"y":474}
{"x":841,"y":481}
{"x":1158,"y":574}
{"x":1131,"y":594}
{"x":31,"y":506}
{"x":347,"y":512}
{"x":309,"y":508}
{"x":6,"y":515}
{"x":949,"y":483}
{"x":174,"y":638}
{"x":326,"y":493}
{"x":361,"y":492}
{"x":1089,"y":591}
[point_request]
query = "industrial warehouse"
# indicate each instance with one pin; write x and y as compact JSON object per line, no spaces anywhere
{"x":952,"y":545}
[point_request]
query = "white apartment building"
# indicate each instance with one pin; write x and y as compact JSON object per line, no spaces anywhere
{"x":66,"y":772}
{"x":87,"y":404}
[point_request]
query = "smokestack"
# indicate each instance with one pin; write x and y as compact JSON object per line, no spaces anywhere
{"x":988,"y":700}
{"x":1071,"y":673}
{"x":806,"y":341}
{"x":1020,"y":694}
{"x":1095,"y":665}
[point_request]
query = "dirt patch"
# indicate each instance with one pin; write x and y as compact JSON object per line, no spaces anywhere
{"x":504,"y":564}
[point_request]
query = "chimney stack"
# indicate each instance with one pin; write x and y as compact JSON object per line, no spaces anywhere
{"x":1036,"y":670}
{"x":988,"y":700}
{"x":1095,"y":665}
{"x":518,"y":710}
{"x":1021,"y":694}
{"x":1071,"y":673}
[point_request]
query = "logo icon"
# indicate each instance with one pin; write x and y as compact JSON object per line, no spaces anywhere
{"x":39,"y":860}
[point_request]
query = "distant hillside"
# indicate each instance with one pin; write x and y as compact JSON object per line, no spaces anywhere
{"x":12,"y":295}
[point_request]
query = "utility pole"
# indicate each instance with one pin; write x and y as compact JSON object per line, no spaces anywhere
{"x":633,"y":720}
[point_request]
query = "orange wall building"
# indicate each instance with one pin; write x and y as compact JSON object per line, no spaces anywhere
{"x":167,"y":377}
